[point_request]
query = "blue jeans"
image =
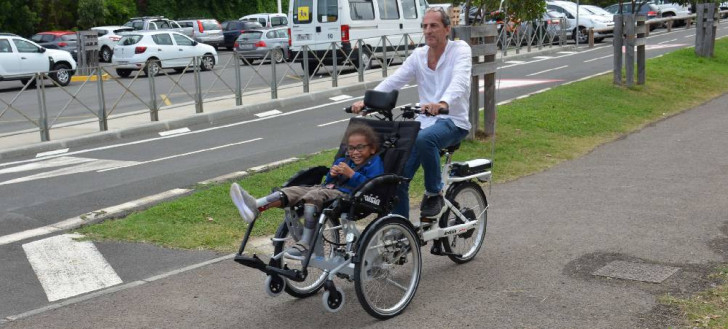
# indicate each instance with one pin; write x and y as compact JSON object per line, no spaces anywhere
{"x":426,"y":152}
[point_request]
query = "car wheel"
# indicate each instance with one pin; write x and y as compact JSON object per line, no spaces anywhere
{"x":152,"y":67}
{"x":208,"y":63}
{"x":61,"y":74}
{"x":277,"y":55}
{"x":124,"y":73}
{"x":582,"y":35}
{"x":106,"y":54}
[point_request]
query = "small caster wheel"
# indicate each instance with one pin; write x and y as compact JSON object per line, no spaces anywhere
{"x":333,"y":300}
{"x":274,"y":285}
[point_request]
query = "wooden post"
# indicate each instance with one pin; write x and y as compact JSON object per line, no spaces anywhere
{"x":629,"y":29}
{"x":641,"y":37}
{"x":699,"y":28}
{"x":618,"y":42}
{"x":591,"y":37}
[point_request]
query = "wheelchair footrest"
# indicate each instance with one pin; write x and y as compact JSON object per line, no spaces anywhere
{"x":257,"y":263}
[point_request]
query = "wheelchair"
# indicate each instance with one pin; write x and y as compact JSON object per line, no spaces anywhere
{"x":383,"y":259}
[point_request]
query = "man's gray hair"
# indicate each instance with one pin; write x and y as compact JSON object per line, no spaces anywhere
{"x":444,"y":17}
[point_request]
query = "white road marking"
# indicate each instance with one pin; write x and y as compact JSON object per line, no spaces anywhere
{"x":332,"y":122}
{"x":272,"y":164}
{"x":515,"y":62}
{"x":95,"y":165}
{"x":268,"y":113}
{"x":543,"y":57}
{"x":77,"y":221}
{"x":340,"y":98}
{"x":549,"y":70}
{"x":689,"y":36}
{"x":50,"y":163}
{"x":514,"y":83}
{"x":598,"y":58}
{"x":179,"y":155}
{"x":567,"y":52}
{"x":174,"y":131}
{"x":67,"y":268}
{"x":45,"y":154}
{"x":659,"y":43}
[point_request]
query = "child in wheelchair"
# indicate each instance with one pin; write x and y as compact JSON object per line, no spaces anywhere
{"x":346,"y":174}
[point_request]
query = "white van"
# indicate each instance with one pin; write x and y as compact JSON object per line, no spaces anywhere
{"x":267,"y":20}
{"x":318,"y":23}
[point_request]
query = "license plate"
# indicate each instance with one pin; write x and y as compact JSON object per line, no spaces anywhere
{"x":123,"y":62}
{"x":247,"y":46}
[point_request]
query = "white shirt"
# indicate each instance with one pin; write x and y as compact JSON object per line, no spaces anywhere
{"x":449,"y":82}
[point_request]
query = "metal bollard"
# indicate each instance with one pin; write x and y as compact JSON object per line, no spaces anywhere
{"x":361,"y":67}
{"x":591,"y":37}
{"x":198,"y":85}
{"x":384,"y":57}
{"x":274,"y":78}
{"x":103,"y":123}
{"x":43,"y":115}
{"x":306,"y":77}
{"x":153,"y":107}
{"x":669,"y":26}
{"x":335,"y":73}
{"x":238,"y":80}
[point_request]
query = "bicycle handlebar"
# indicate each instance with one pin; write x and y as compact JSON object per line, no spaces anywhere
{"x":411,"y":109}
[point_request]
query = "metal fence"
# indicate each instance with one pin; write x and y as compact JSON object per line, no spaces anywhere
{"x":102,"y":95}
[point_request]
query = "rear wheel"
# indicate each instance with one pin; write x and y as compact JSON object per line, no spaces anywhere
{"x":106,"y":54}
{"x":316,"y":277}
{"x":277,"y":55}
{"x":470,"y":200}
{"x":152,"y":67}
{"x":389,"y":267}
{"x":61,"y":74}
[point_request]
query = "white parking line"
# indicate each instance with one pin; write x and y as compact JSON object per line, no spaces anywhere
{"x":180,"y":155}
{"x":54,"y":152}
{"x":549,"y":70}
{"x":67,"y":268}
{"x":515,"y":62}
{"x":689,"y":36}
{"x":543,"y":57}
{"x":333,"y":122}
{"x":174,"y":131}
{"x":659,"y":43}
{"x":567,"y":52}
{"x":598,"y":58}
{"x":340,"y":98}
{"x":268,"y":113}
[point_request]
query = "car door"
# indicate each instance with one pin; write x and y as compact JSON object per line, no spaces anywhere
{"x":185,"y":48}
{"x":9,"y":59}
{"x":32,"y":60}
{"x":165,"y":50}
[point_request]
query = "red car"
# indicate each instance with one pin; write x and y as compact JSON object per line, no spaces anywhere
{"x":63,"y":40}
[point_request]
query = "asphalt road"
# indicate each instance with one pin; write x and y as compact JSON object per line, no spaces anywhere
{"x":155,"y":164}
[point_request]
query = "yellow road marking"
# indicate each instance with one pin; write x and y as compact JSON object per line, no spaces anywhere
{"x":165,"y":99}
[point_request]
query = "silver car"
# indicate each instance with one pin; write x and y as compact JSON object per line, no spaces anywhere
{"x":263,"y":44}
{"x":208,"y":31}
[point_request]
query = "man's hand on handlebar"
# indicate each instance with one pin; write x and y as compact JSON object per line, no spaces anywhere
{"x":433,"y":108}
{"x":357,"y":107}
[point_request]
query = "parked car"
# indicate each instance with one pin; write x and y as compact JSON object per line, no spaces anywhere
{"x":20,"y":58}
{"x":672,"y":9}
{"x":63,"y":40}
{"x":108,"y":37}
{"x":153,"y":51}
{"x":267,"y":20}
{"x":263,"y":44}
{"x":207,"y":31}
{"x":603,"y":25}
{"x":232,"y":29}
{"x":650,"y":10}
{"x":151,"y":23}
{"x":551,"y":30}
{"x":595,"y":10}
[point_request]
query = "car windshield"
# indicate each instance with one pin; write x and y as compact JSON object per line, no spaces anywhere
{"x":128,"y":40}
{"x":597,"y":11}
{"x":250,"y":35}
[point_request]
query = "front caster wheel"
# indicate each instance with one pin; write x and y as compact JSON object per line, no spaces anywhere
{"x":333,"y":300}
{"x":274,"y":285}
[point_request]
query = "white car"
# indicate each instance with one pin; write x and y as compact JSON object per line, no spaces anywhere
{"x":153,"y":51}
{"x":603,"y":25}
{"x":20,"y":58}
{"x":108,"y":37}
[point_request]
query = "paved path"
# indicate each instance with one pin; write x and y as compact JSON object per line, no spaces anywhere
{"x":656,"y":196}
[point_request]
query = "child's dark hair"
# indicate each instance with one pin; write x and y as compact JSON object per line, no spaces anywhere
{"x":366,"y":131}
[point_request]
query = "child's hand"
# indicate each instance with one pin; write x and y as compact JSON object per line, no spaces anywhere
{"x":333,"y":172}
{"x":344,"y":169}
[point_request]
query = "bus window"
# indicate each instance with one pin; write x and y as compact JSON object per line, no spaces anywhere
{"x":388,"y":9}
{"x":361,"y":10}
{"x":409,"y":9}
{"x":302,"y":10}
{"x":328,"y":11}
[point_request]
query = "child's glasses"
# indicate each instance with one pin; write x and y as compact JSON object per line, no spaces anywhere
{"x":358,"y":148}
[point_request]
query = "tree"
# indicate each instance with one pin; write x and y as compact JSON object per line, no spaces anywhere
{"x":91,"y":13}
{"x":119,"y":11}
{"x":17,"y":16}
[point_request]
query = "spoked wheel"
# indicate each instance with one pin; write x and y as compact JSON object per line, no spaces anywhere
{"x":316,"y":277}
{"x":389,"y":267}
{"x":470,"y":200}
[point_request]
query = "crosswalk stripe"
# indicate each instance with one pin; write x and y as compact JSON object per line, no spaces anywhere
{"x":67,"y":268}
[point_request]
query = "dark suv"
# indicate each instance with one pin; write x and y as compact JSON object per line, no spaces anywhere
{"x":232,"y":29}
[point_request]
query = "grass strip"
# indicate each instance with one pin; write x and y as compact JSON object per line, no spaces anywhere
{"x":533,"y":134}
{"x":707,"y":309}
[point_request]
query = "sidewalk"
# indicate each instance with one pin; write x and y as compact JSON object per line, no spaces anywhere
{"x":215,"y":110}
